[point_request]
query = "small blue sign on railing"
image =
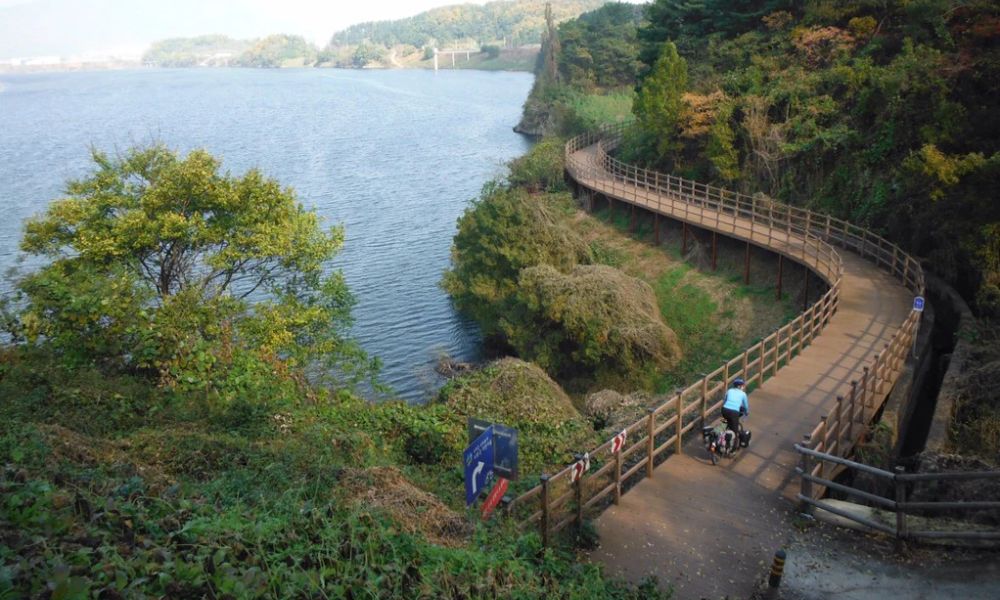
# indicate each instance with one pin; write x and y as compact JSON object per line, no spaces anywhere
{"x":918,"y":304}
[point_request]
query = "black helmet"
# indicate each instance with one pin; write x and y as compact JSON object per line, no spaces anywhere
{"x":739,"y":381}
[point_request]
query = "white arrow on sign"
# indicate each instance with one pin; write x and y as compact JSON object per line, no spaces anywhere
{"x":475,"y":474}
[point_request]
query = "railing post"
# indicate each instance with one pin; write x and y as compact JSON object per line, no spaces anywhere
{"x":822,"y":440}
{"x":746,"y":374}
{"x":807,"y":468}
{"x":618,"y":475}
{"x":900,"y":513}
{"x":838,"y":426}
{"x":680,"y":421}
{"x":865,"y":396}
{"x":704,"y":399}
{"x":651,"y":426}
{"x":777,"y":352}
{"x":578,"y":492}
{"x":886,"y":366}
{"x":875,"y":381}
{"x":545,"y":509}
{"x":853,"y":413}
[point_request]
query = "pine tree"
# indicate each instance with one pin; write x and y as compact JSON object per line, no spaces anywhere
{"x":659,"y":105}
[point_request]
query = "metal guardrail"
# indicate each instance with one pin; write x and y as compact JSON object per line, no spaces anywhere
{"x":899,"y":503}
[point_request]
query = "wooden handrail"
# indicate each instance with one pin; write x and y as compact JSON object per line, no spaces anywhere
{"x":799,"y":234}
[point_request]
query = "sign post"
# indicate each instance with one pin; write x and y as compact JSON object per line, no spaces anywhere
{"x":478,"y":462}
{"x":496,"y":494}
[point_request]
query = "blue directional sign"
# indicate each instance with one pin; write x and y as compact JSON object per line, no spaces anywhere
{"x":504,"y":446}
{"x":918,"y":304}
{"x":478,"y":462}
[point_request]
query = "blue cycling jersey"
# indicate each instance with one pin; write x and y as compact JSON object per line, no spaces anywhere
{"x":736,"y":399}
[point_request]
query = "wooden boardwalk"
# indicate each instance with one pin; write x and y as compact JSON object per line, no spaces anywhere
{"x":711,"y":531}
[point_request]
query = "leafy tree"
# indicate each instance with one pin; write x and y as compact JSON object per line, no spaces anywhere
{"x":548,"y":71}
{"x":164,"y":265}
{"x":721,"y":151}
{"x":504,"y":231}
{"x":659,"y":104}
{"x":599,"y":48}
{"x":689,"y":22}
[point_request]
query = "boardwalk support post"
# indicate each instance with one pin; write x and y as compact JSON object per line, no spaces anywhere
{"x":656,"y":229}
{"x":781,"y":262}
{"x":746,"y":266}
{"x":715,"y":254}
{"x":684,"y":236}
{"x":805,"y":289}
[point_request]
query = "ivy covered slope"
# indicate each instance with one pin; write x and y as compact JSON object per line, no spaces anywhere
{"x":877,"y":112}
{"x":177,"y":416}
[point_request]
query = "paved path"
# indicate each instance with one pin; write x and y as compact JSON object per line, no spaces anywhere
{"x":711,"y":531}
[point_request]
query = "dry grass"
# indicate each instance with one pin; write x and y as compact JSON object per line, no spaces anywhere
{"x":77,"y":449}
{"x":411,"y":508}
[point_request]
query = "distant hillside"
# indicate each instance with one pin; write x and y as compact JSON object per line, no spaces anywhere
{"x":279,"y":50}
{"x":203,"y":50}
{"x":517,"y":22}
{"x":273,"y":51}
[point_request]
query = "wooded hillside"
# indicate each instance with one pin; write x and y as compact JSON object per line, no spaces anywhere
{"x":517,"y":21}
{"x":880,"y":112}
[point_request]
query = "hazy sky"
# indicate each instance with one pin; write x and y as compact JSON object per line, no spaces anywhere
{"x":61,"y":27}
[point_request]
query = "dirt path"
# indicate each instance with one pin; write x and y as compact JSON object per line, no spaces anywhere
{"x":847,"y":565}
{"x":711,"y":532}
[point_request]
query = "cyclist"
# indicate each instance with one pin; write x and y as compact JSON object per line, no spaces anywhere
{"x":736,"y":405}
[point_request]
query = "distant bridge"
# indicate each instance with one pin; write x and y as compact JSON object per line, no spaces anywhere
{"x":468,"y":52}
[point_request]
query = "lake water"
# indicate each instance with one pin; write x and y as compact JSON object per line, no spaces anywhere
{"x":395,"y":156}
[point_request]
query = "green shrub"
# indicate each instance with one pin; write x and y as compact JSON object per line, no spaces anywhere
{"x":505,"y":231}
{"x":541,"y":169}
{"x":491,"y":51}
{"x":593,"y":319}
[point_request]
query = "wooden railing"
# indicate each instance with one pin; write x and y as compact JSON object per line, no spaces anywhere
{"x":899,"y":503}
{"x":799,"y":234}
